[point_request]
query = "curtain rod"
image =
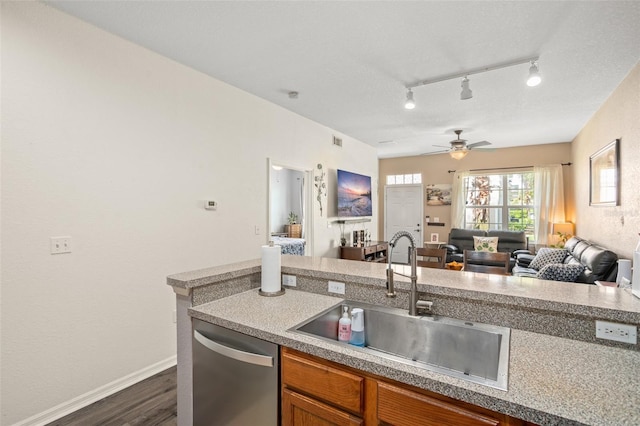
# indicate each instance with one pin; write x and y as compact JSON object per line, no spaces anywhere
{"x":504,"y":168}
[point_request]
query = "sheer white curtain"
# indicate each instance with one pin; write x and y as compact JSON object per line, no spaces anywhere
{"x":548,"y":200}
{"x":458,"y":199}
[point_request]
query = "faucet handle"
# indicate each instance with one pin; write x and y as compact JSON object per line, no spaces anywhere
{"x":391,"y":292}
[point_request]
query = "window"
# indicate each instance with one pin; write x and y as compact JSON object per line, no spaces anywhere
{"x":404,"y":179}
{"x":500,"y":201}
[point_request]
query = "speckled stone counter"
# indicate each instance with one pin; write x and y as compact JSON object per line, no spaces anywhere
{"x":552,"y":380}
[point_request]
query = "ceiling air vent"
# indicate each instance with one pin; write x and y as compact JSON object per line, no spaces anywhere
{"x":337,"y":141}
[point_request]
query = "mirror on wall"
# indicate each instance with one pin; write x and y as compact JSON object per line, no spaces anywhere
{"x":289,"y":209}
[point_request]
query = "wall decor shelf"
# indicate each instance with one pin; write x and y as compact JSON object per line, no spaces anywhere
{"x":354,"y":220}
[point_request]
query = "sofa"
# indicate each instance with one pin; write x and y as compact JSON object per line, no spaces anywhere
{"x":512,"y":242}
{"x":597,"y":262}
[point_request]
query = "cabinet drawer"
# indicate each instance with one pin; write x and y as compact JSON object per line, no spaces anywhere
{"x":340,"y":388}
{"x":369,"y":249}
{"x":381,"y":247}
{"x":402,"y":407}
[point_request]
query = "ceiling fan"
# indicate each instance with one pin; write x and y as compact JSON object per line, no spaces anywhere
{"x":459,"y":147}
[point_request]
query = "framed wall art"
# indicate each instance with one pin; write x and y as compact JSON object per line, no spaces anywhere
{"x":439,"y":194}
{"x":604,"y":176}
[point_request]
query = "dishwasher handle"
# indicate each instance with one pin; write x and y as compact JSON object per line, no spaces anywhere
{"x":242,"y":356}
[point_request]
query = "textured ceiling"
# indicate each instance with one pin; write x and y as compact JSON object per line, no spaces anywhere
{"x":351,"y":61}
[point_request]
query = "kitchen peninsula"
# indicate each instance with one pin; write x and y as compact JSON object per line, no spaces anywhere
{"x":559,"y":373}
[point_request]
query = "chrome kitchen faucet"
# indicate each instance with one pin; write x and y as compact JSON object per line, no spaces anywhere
{"x":415,"y":305}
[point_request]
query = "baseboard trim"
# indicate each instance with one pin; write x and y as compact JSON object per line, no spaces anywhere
{"x":90,"y":397}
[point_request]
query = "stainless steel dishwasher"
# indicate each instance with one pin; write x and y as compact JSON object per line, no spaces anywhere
{"x":235,"y":378}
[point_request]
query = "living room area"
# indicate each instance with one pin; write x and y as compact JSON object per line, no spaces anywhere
{"x":613,"y":226}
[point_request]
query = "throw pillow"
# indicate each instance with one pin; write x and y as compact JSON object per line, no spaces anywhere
{"x":561,"y":272}
{"x":489,"y":244}
{"x":545,"y":256}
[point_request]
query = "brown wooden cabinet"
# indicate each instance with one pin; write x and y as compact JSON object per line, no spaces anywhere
{"x":320,"y":392}
{"x":374,"y":251}
{"x":301,"y":410}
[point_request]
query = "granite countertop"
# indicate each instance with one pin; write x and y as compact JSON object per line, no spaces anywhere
{"x":552,"y":380}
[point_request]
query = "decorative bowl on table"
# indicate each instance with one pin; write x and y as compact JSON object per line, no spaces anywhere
{"x":454,"y":265}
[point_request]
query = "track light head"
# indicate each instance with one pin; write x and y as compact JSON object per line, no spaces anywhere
{"x":410,"y":103}
{"x":466,"y":91}
{"x":534,"y":75}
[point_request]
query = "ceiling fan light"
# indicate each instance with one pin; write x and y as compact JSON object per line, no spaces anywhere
{"x":534,"y":75}
{"x":458,"y":154}
{"x":466,"y":91}
{"x":410,"y":103}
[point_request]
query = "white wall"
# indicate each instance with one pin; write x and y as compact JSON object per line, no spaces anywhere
{"x":117,"y":147}
{"x":614,"y":227}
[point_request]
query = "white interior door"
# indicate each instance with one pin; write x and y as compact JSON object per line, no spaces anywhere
{"x":403,"y":211}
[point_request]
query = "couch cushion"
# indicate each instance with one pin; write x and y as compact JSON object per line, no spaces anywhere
{"x":510,"y":241}
{"x":546,"y":256}
{"x":560,"y":272}
{"x":522,"y":271}
{"x":489,"y":244}
{"x":463,"y":238}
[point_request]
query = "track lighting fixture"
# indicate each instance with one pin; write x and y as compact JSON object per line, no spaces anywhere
{"x":534,"y":75}
{"x":533,"y":80}
{"x":466,"y":92}
{"x":409,"y":103}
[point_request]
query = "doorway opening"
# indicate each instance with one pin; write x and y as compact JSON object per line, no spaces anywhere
{"x":290,"y":208}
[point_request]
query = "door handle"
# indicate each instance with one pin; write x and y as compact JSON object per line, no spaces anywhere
{"x":242,"y":356}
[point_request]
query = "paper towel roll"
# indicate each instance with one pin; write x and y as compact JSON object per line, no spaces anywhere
{"x":271,"y":269}
{"x":624,"y":270}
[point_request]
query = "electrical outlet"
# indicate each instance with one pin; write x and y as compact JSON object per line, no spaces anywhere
{"x":336,"y":287}
{"x":618,"y":332}
{"x":59,"y":245}
{"x":289,"y":280}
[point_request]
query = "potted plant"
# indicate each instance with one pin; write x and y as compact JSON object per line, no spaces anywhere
{"x":293,"y":218}
{"x":294,"y":229}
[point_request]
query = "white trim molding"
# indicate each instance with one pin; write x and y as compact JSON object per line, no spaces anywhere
{"x":95,"y":395}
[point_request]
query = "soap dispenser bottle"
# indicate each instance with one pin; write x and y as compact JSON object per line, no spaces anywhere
{"x":357,"y":327}
{"x":344,"y":326}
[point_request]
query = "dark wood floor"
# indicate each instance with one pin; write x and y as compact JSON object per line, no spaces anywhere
{"x":150,"y":402}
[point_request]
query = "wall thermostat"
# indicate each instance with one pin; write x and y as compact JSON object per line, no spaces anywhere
{"x":210,"y":205}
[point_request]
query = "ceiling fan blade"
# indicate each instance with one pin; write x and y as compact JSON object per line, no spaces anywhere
{"x":477,"y":144}
{"x":442,"y":146}
{"x":435,"y":152}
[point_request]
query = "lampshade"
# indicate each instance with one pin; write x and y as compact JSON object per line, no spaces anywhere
{"x":563,"y":228}
{"x":458,"y":154}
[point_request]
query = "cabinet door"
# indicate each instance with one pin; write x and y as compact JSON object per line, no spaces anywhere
{"x":300,"y":410}
{"x":323,"y":382}
{"x":401,"y":407}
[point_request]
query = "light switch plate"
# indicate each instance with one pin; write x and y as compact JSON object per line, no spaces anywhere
{"x":59,"y":245}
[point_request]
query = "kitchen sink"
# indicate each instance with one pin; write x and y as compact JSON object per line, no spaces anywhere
{"x":471,"y":351}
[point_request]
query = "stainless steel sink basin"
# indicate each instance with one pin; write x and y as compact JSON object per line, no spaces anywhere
{"x":471,"y":351}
